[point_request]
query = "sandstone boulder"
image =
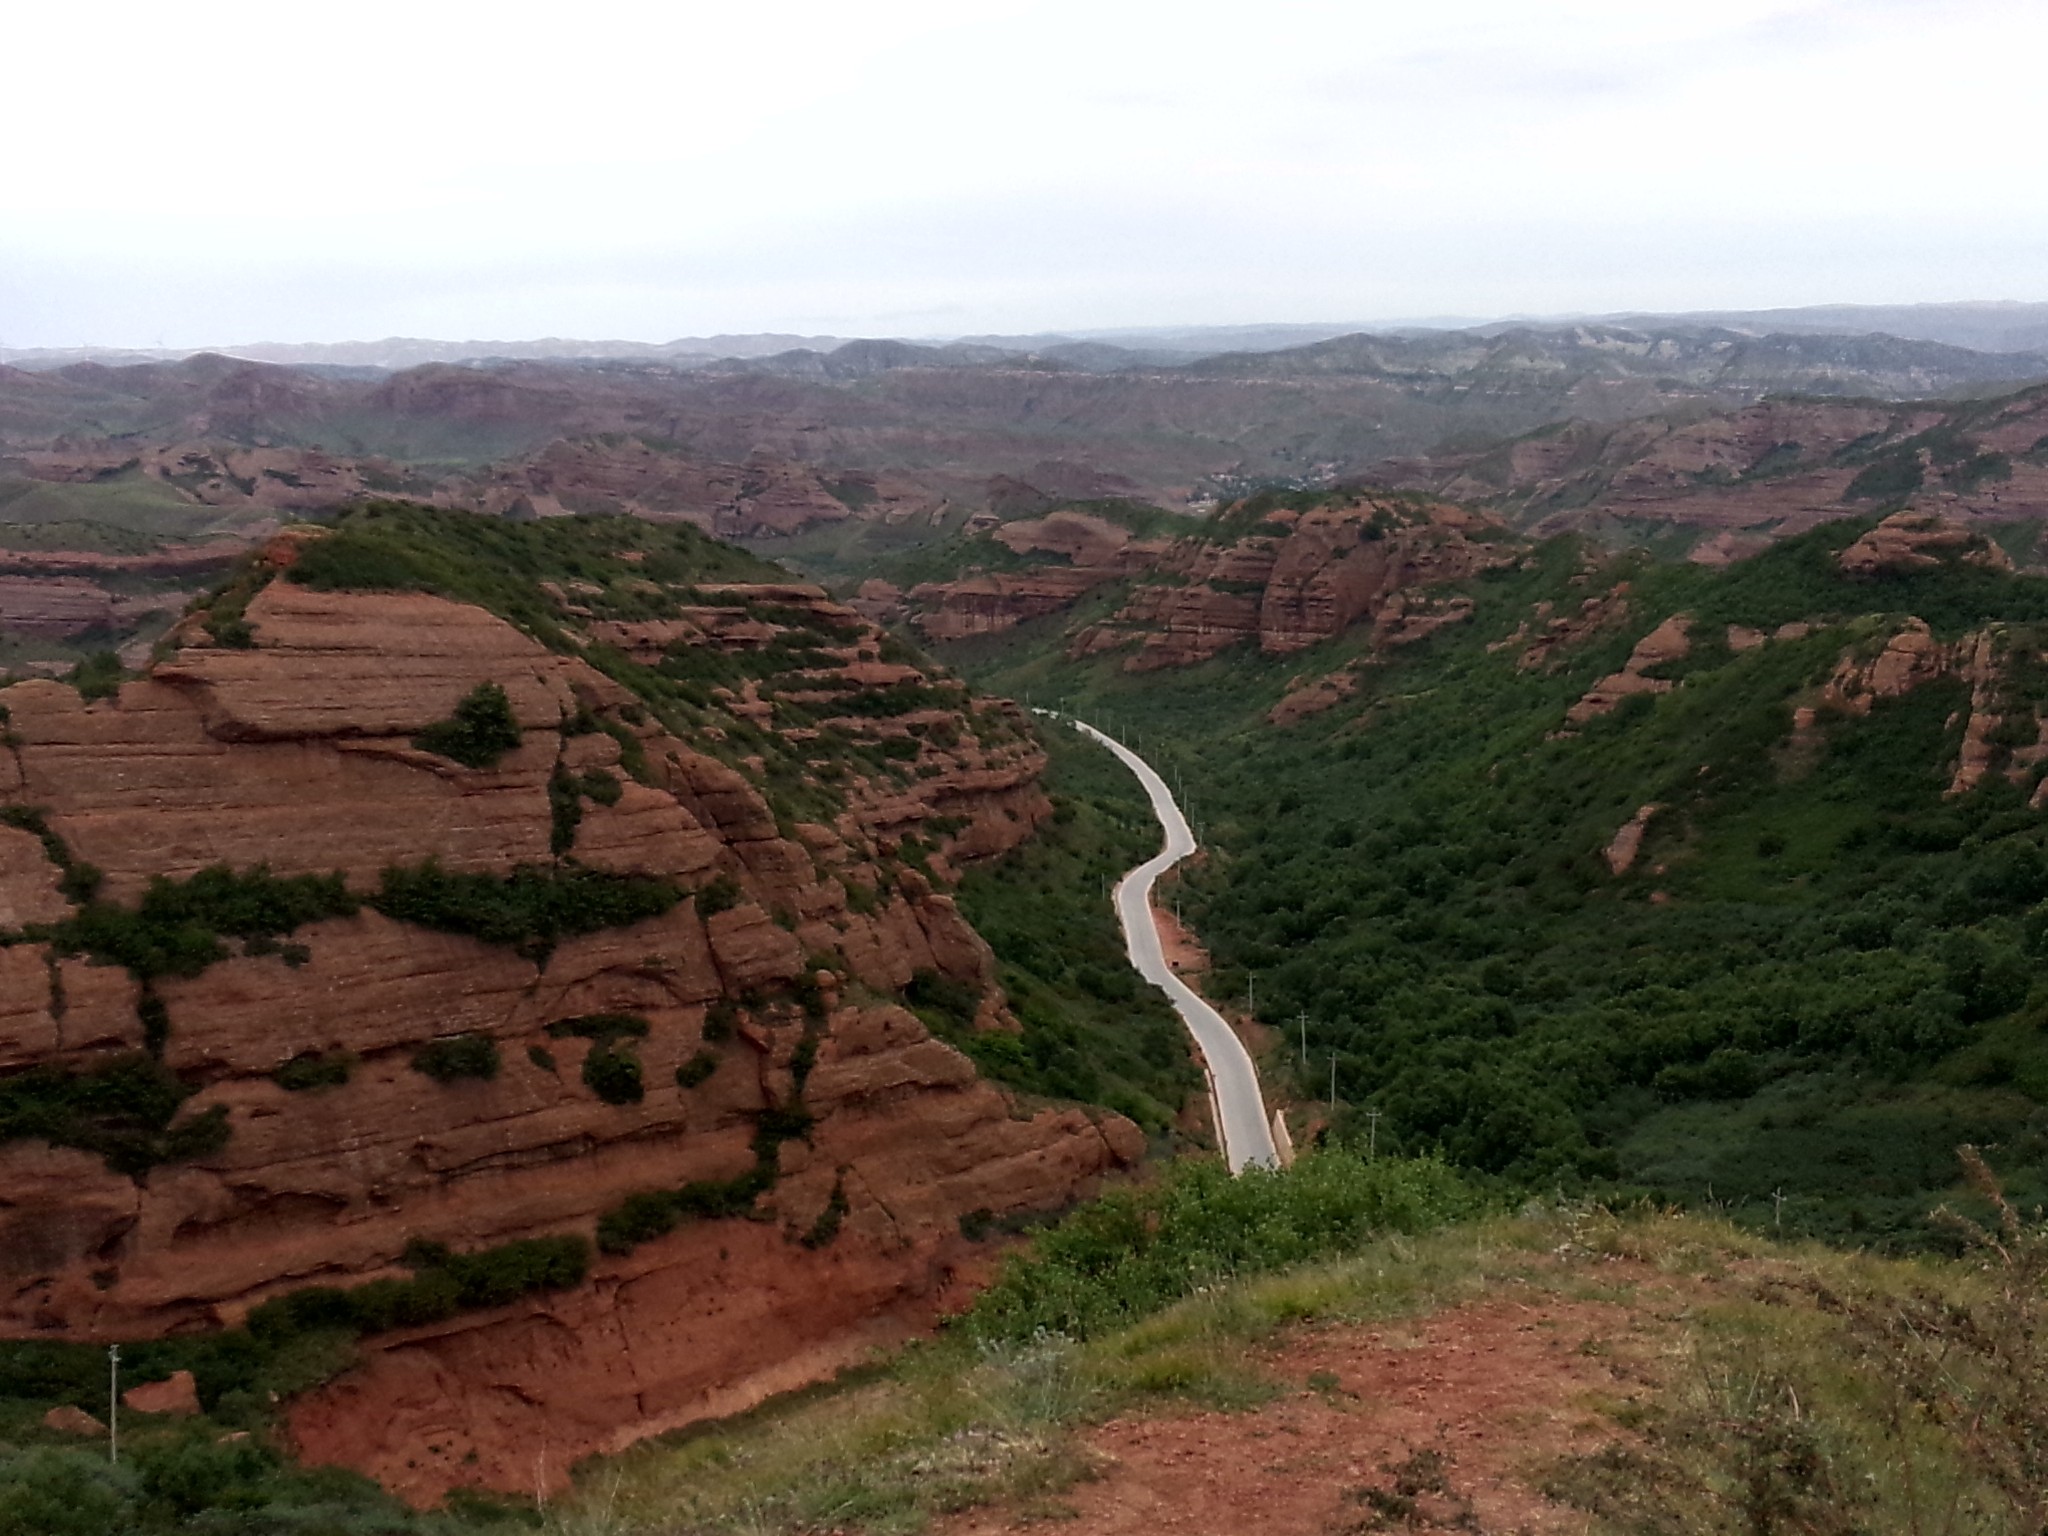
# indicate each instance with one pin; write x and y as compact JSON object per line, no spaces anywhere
{"x":177,"y":1393}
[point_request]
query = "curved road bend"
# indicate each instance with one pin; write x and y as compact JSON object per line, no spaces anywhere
{"x":1233,"y":1083}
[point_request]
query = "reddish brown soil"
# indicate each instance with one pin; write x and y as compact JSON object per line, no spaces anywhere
{"x":1184,"y":952}
{"x":1459,"y":1414}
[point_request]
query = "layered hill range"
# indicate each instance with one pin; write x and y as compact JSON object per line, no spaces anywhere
{"x":945,"y":420}
{"x":402,"y":899}
{"x":1725,"y":484}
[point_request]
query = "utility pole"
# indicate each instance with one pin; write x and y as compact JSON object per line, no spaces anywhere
{"x":1251,"y":994}
{"x":1372,"y":1134}
{"x":114,"y":1403}
{"x":1778,"y":1208}
{"x":1303,"y":1019}
{"x":1333,"y":1082}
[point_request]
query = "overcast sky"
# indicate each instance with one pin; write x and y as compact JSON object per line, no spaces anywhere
{"x":215,"y":172}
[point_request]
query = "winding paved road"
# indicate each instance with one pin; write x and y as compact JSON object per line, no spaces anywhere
{"x":1233,"y":1082}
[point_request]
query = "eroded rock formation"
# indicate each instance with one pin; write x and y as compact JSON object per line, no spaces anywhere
{"x":298,"y":754}
{"x":1286,"y":581}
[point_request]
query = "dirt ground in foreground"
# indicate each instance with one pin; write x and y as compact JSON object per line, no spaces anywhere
{"x":1445,"y":1423}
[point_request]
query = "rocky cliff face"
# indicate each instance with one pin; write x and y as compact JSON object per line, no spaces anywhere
{"x":775,"y":988}
{"x":1283,"y":579}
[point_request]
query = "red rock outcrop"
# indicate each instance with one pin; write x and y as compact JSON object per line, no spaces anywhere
{"x":1293,"y":580}
{"x":296,"y":754}
{"x":176,"y":1394}
{"x":991,"y":603}
{"x":1908,"y":541}
{"x":68,"y":1420}
{"x":1668,"y":642}
{"x":1308,"y":696}
{"x":1627,"y":841}
{"x":1560,"y":631}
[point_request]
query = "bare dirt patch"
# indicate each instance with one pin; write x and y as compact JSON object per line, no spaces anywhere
{"x":1446,"y":1423}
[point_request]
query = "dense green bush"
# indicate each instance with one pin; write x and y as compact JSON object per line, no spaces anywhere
{"x":456,"y":1057}
{"x":480,"y":731}
{"x":1130,"y":1253}
{"x":697,"y":1069}
{"x":124,"y":1109}
{"x":177,"y":927}
{"x":949,"y":1002}
{"x":98,"y":676}
{"x":530,"y":910}
{"x":641,"y":1218}
{"x":721,"y":893}
{"x":613,"y":1074}
{"x":315,"y":1069}
{"x":79,"y":882}
{"x":443,"y":1284}
{"x":601,"y":1027}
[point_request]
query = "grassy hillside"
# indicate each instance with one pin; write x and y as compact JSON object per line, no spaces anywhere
{"x":1815,"y":982}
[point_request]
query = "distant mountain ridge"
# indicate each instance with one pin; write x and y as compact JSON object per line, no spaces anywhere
{"x":1987,"y":326}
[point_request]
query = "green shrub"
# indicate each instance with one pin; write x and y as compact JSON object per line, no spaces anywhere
{"x":98,"y":676}
{"x":950,"y":1001}
{"x":314,"y":1069}
{"x":601,"y":1027}
{"x":826,"y":1227}
{"x":177,"y":927}
{"x":721,"y":893}
{"x":613,"y":1075}
{"x":652,"y":1213}
{"x":455,"y":1057}
{"x":565,"y":811}
{"x":443,"y":1284}
{"x":530,"y":910}
{"x":125,"y":1110}
{"x":697,"y":1069}
{"x":79,"y":881}
{"x":720,"y":1019}
{"x":481,"y":730}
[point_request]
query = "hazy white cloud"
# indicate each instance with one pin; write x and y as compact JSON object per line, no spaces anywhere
{"x":226,"y":171}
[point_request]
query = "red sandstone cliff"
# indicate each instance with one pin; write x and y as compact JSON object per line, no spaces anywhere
{"x":297,"y":754}
{"x":1286,"y":582}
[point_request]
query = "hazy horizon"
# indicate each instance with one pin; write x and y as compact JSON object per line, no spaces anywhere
{"x":232,"y":175}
